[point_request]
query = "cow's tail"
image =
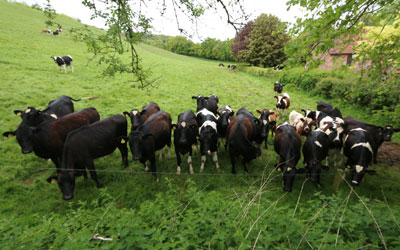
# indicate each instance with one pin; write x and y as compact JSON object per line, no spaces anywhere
{"x":85,"y":98}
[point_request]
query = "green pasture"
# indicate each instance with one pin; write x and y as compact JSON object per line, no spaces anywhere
{"x":211,"y":210}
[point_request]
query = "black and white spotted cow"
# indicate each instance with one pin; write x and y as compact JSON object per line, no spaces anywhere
{"x":224,"y":116}
{"x":63,"y":61}
{"x":207,"y":102}
{"x":208,"y":136}
{"x":358,"y":146}
{"x":282,"y":103}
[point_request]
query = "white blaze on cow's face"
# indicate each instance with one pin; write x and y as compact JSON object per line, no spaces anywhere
{"x":183,"y":124}
{"x":27,"y":111}
{"x":264,"y":122}
{"x":54,"y":116}
{"x":134,"y":112}
{"x":359,"y":168}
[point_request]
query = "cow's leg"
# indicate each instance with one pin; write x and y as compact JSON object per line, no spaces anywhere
{"x":92,"y":171}
{"x":146,"y":168}
{"x":375,"y":155}
{"x":215,"y":159}
{"x":153,"y":166}
{"x":232,"y":155}
{"x":178,"y":160}
{"x":160,"y":157}
{"x":72,"y":67}
{"x":244,"y":162}
{"x":61,"y":68}
{"x":169,"y":152}
{"x":124,"y":153}
{"x":203,"y":161}
{"x":189,"y":161}
{"x":65,"y":68}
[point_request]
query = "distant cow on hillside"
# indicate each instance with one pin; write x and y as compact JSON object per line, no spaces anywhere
{"x":63,"y":61}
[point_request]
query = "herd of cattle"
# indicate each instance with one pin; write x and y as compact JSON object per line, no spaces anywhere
{"x":72,"y":140}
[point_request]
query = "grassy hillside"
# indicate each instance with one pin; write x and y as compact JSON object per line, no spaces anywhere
{"x":215,"y":209}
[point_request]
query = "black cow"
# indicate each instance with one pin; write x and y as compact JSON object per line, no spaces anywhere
{"x":358,"y":147}
{"x":328,"y":109}
{"x":224,"y":116}
{"x":208,"y":136}
{"x":47,"y":139}
{"x":233,"y":67}
{"x":287,"y":145}
{"x":221,"y":65}
{"x":377,"y":133}
{"x":240,"y":130}
{"x":278,"y":88}
{"x":63,"y":61}
{"x":315,"y":150}
{"x":138,"y":118}
{"x":210,"y":103}
{"x":185,"y":135}
{"x":267,"y":123}
{"x":55,"y":33}
{"x":87,"y":143}
{"x":152,"y":136}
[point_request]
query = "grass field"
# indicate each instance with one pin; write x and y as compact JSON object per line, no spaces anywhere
{"x":214,"y":210}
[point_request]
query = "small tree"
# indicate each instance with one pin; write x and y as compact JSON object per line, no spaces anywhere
{"x":266,"y":42}
{"x":50,"y":14}
{"x":240,"y":42}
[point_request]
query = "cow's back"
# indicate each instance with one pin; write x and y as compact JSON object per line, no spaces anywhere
{"x":159,"y":126}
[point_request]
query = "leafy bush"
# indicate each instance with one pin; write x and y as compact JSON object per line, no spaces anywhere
{"x":258,"y":71}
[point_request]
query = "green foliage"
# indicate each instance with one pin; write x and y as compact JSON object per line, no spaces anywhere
{"x":179,"y":212}
{"x":50,"y":14}
{"x":258,"y":71}
{"x":266,"y":42}
{"x":326,"y":22}
{"x":180,"y":45}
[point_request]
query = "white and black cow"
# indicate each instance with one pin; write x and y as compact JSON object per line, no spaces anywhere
{"x":87,"y":143}
{"x":287,"y":144}
{"x":63,"y":61}
{"x":224,"y":117}
{"x":302,"y":124}
{"x":208,"y":136}
{"x":267,"y":123}
{"x":185,"y":136}
{"x":377,"y":133}
{"x":239,"y":134}
{"x":282,"y":103}
{"x":207,"y":102}
{"x":315,"y":150}
{"x":358,"y":146}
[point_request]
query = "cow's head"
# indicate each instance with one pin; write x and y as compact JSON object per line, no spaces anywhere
{"x":66,"y":182}
{"x":224,"y":115}
{"x":314,"y":170}
{"x":136,"y":118}
{"x":24,"y":135}
{"x":358,"y":173}
{"x":289,"y":174}
{"x":201,"y":101}
{"x":265,"y":122}
{"x":308,"y":113}
{"x":208,"y":138}
{"x":138,"y":141}
{"x":183,"y":131}
{"x":387,"y":132}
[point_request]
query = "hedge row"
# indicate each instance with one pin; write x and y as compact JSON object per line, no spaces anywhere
{"x":258,"y":71}
{"x":380,"y":98}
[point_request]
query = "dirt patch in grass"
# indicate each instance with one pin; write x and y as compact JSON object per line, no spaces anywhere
{"x":389,"y":153}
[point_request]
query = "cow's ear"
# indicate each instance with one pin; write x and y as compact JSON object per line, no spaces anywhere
{"x":396,"y":130}
{"x":10,"y":134}
{"x":52,"y":179}
{"x":217,"y":114}
{"x":18,"y":112}
{"x":194,"y":97}
{"x":276,"y":97}
{"x":192,"y":126}
{"x":142,"y":112}
{"x":302,"y":119}
{"x":257,"y":121}
{"x":371,"y":172}
{"x":127,"y":114}
{"x":304,"y":111}
{"x":232,"y":113}
{"x":380,"y":128}
{"x":174,"y":126}
{"x":258,"y":111}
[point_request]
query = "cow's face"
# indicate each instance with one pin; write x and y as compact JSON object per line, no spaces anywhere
{"x":387,"y":132}
{"x":136,"y":119}
{"x":289,"y":174}
{"x":358,"y":174}
{"x":201,"y":101}
{"x":24,"y":137}
{"x":66,"y":183}
{"x":137,"y":141}
{"x":225,"y":115}
{"x":183,"y":132}
{"x":264,"y":123}
{"x":314,"y":171}
{"x":208,"y":140}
